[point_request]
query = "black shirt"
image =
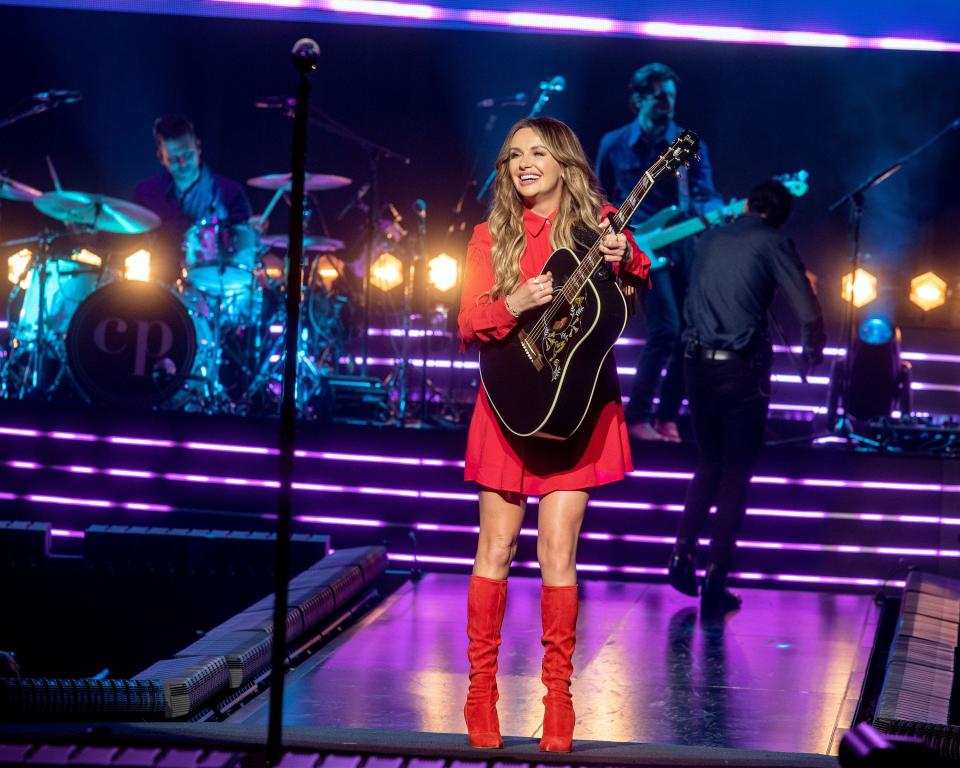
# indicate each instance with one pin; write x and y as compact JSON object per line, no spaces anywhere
{"x":735,"y":273}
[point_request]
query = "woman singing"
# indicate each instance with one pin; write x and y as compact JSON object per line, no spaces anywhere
{"x":544,"y":192}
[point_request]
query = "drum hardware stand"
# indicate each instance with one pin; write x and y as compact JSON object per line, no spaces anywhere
{"x":32,"y":380}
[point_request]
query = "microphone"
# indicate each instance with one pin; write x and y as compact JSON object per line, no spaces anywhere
{"x":354,"y":201}
{"x":305,"y":54}
{"x":275,"y":102}
{"x":518,"y":99}
{"x":57,"y":97}
{"x":556,"y":84}
{"x":420,"y":208}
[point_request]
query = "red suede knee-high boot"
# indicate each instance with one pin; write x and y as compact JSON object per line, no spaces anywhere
{"x":486,"y":602}
{"x":558,"y":609}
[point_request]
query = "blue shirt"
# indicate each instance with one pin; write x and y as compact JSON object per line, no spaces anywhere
{"x":210,"y":196}
{"x":626,"y":153}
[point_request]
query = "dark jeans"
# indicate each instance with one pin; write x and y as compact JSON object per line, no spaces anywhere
{"x":663,"y":307}
{"x":728,"y":403}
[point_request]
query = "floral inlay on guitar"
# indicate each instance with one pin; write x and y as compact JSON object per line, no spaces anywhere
{"x":558,"y":336}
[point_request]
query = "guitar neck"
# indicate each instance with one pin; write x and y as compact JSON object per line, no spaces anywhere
{"x":690,"y":227}
{"x":678,"y":152}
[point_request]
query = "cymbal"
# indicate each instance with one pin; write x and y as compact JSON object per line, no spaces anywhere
{"x":313,"y":182}
{"x":97,"y":212}
{"x":311,"y":243}
{"x":11,"y":189}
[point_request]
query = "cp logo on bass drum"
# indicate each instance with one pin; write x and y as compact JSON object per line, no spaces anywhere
{"x":131,"y":343}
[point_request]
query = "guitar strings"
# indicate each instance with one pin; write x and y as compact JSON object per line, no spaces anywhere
{"x":635,"y":198}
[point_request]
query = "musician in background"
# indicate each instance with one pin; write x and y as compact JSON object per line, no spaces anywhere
{"x":623,"y":156}
{"x":544,"y":191}
{"x":186,"y":192}
{"x":735,"y":272}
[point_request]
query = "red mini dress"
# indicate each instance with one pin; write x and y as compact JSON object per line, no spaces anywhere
{"x":599,"y":452}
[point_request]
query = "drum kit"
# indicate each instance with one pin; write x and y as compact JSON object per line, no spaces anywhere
{"x":83,"y":323}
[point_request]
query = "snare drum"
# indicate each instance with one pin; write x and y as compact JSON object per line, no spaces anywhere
{"x":135,"y":343}
{"x":220,"y":258}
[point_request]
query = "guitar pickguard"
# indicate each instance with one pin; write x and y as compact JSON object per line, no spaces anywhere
{"x":559,"y":336}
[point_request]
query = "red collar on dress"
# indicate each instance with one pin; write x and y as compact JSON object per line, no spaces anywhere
{"x":535,"y":223}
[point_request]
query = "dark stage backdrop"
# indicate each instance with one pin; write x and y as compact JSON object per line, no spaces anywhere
{"x":840,"y":114}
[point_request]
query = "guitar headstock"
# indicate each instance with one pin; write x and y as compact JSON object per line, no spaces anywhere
{"x":796,"y":183}
{"x":683,"y":148}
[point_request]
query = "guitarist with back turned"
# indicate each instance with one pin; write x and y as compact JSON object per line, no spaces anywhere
{"x":623,"y":154}
{"x":545,"y":197}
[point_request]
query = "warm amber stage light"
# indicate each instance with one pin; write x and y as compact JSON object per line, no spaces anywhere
{"x":443,"y":272}
{"x":928,"y":291}
{"x":328,"y":270}
{"x":17,"y":264}
{"x":86,"y":257}
{"x":861,"y":290}
{"x":386,"y":272}
{"x":137,"y":265}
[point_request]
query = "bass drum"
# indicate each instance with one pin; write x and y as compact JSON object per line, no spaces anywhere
{"x":136,"y":344}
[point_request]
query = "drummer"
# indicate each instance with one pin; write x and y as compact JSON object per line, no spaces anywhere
{"x":188,"y":191}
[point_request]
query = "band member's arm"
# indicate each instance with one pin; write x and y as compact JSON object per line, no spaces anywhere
{"x":237,"y":204}
{"x":481,"y":319}
{"x":791,"y":276}
{"x":703,"y":194}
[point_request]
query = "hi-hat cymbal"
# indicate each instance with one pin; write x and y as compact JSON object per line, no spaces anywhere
{"x":313,"y":182}
{"x":311,"y":243}
{"x":11,"y":189}
{"x":97,"y":212}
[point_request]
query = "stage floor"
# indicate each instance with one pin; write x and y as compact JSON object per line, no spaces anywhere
{"x":783,"y":674}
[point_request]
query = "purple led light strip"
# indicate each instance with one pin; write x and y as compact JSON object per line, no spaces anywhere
{"x":334,"y":456}
{"x":597,"y":568}
{"x":626,"y":341}
{"x":471,"y":498}
{"x":537,"y":19}
{"x":626,"y":370}
{"x":796,"y":578}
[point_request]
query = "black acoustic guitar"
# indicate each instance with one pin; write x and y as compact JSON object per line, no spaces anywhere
{"x":540,"y":379}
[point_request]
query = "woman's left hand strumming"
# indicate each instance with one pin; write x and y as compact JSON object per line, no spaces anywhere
{"x":614,"y":247}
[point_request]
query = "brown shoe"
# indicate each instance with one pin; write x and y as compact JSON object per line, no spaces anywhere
{"x":668,"y":431}
{"x":643,"y":430}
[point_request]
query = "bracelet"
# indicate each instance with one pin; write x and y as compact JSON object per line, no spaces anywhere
{"x":510,"y":309}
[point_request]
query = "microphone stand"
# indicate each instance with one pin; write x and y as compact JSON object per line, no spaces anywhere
{"x":537,"y":108}
{"x":374,"y":152}
{"x":856,"y":200}
{"x":37,"y":107}
{"x":305,"y":54}
{"x":420,"y":256}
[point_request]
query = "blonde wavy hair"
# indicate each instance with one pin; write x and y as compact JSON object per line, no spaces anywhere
{"x":581,"y":202}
